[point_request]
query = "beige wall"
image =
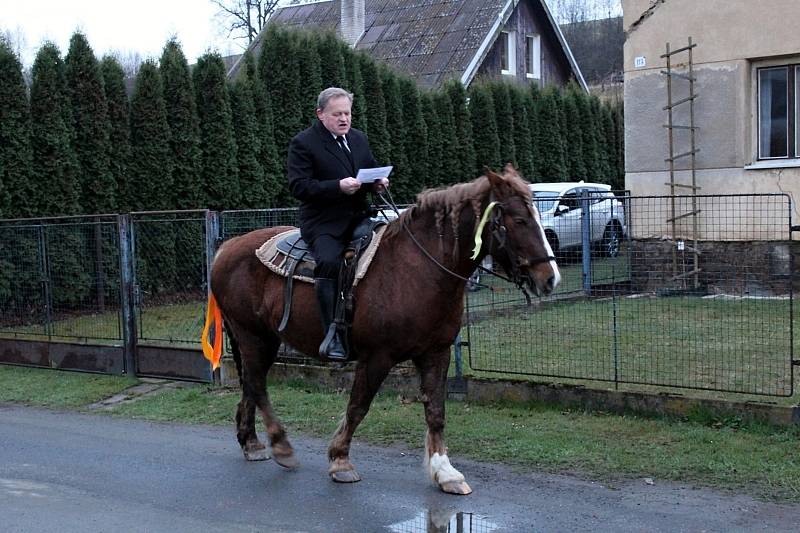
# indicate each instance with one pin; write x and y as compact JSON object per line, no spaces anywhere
{"x":734,"y":37}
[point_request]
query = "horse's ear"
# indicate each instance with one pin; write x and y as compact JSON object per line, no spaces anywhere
{"x":495,"y":179}
{"x":509,"y":170}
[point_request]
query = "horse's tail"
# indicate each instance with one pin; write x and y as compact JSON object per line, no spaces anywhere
{"x":212,"y":349}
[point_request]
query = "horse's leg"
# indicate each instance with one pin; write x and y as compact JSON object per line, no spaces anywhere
{"x":433,"y":384}
{"x":368,"y":378}
{"x":252,"y":448}
{"x":258,"y":354}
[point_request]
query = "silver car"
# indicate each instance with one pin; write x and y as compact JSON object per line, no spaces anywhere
{"x":561,"y":210}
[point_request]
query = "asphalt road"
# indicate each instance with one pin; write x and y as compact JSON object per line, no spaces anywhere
{"x":63,"y":471}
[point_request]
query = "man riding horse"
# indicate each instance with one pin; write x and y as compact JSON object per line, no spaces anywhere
{"x":322,"y":162}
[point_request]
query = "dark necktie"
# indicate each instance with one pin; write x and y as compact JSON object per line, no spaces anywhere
{"x":341,"y":142}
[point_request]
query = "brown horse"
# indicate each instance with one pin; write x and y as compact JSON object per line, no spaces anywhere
{"x":409,"y":306}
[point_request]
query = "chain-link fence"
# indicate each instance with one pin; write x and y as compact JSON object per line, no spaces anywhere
{"x":170,"y":258}
{"x":60,"y":278}
{"x":692,"y":292}
{"x":698,"y":295}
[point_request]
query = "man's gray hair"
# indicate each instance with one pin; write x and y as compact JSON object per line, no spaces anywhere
{"x":329,"y":93}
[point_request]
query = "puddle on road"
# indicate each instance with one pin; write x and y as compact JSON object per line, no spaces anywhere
{"x":444,"y":521}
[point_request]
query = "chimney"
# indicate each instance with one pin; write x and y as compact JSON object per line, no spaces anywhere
{"x":351,"y":23}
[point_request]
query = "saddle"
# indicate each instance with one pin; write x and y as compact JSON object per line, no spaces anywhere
{"x":288,"y":255}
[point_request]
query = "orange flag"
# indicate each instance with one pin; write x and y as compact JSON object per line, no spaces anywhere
{"x":212,"y":352}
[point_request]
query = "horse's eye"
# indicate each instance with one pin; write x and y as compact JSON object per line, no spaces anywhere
{"x":519,"y":221}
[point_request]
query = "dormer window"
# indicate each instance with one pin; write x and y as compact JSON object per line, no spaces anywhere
{"x":508,"y":53}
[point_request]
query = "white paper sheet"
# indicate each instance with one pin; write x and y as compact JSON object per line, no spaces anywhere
{"x":368,"y":175}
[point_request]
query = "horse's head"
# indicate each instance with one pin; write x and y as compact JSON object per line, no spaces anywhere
{"x":517,"y":241}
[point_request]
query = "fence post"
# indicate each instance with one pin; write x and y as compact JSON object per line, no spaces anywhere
{"x":127,"y":303}
{"x":46,"y":281}
{"x":586,"y":243}
{"x":212,"y":232}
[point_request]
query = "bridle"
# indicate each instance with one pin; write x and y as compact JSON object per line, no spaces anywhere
{"x":498,"y":240}
{"x":498,"y":235}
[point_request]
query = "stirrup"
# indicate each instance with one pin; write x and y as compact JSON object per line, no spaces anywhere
{"x":324,"y":348}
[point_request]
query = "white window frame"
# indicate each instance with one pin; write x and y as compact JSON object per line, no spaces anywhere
{"x":533,"y":62}
{"x":790,"y":69}
{"x":511,"y":52}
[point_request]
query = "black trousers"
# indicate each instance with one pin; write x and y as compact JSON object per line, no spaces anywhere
{"x":327,"y":252}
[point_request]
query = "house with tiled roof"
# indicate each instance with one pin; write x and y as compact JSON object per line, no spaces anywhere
{"x":437,"y":40}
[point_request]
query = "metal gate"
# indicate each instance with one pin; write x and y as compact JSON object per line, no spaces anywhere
{"x":655,"y":314}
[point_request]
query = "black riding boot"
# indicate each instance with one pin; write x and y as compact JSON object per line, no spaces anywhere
{"x":331,"y":347}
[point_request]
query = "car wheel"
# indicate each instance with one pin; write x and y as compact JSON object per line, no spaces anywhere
{"x":612,"y":239}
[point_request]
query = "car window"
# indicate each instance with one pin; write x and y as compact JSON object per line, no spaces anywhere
{"x":571,"y":200}
{"x":545,"y":200}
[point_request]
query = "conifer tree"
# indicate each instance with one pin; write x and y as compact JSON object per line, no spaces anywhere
{"x":152,"y":159}
{"x":463,"y":168}
{"x":248,"y":146}
{"x":589,"y":137}
{"x":356,"y":86}
{"x":619,"y":129}
{"x":522,"y":132}
{"x":505,"y":122}
{"x":551,"y":164}
{"x":376,"y":107}
{"x":602,"y":168}
{"x":273,"y":175}
{"x":308,"y":62}
{"x":484,"y":129}
{"x":119,"y":139}
{"x":90,"y":123}
{"x":444,"y":112}
{"x":217,"y":143}
{"x":16,"y":191}
{"x":331,"y":56}
{"x":532,"y":103}
{"x":151,"y":180}
{"x":184,"y":128}
{"x":277,"y":67}
{"x":576,"y":167}
{"x":55,"y":166}
{"x":416,"y":144}
{"x":432,"y":177}
{"x":396,"y":127}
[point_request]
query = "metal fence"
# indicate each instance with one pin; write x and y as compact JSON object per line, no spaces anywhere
{"x":697,"y":294}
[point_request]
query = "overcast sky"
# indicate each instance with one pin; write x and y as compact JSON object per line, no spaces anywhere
{"x":141,"y":26}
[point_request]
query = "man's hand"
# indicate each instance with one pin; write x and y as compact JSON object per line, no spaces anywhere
{"x":381,"y":184}
{"x":349,"y":185}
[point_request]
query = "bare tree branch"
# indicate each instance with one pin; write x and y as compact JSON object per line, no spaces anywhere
{"x":244,"y":19}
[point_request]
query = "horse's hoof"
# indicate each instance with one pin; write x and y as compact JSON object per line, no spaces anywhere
{"x":288,"y":461}
{"x":345,"y":476}
{"x":456,"y":487}
{"x":256,"y":454}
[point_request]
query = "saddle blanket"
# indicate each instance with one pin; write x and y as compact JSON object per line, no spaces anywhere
{"x":275,"y":260}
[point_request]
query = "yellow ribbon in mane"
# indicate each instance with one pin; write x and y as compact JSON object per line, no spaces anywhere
{"x":479,"y":231}
{"x":212,"y":353}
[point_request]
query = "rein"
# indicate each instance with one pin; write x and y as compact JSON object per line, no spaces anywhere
{"x":498,"y":231}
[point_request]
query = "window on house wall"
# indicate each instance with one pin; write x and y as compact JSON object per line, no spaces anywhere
{"x":778,"y":102}
{"x":533,"y":56}
{"x":508,"y":55}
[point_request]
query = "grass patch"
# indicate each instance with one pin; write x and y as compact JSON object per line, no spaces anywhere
{"x":700,"y":450}
{"x":737,"y":345}
{"x":51,"y":388}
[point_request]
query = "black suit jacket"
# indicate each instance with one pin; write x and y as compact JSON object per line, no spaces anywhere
{"x":315,"y":165}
